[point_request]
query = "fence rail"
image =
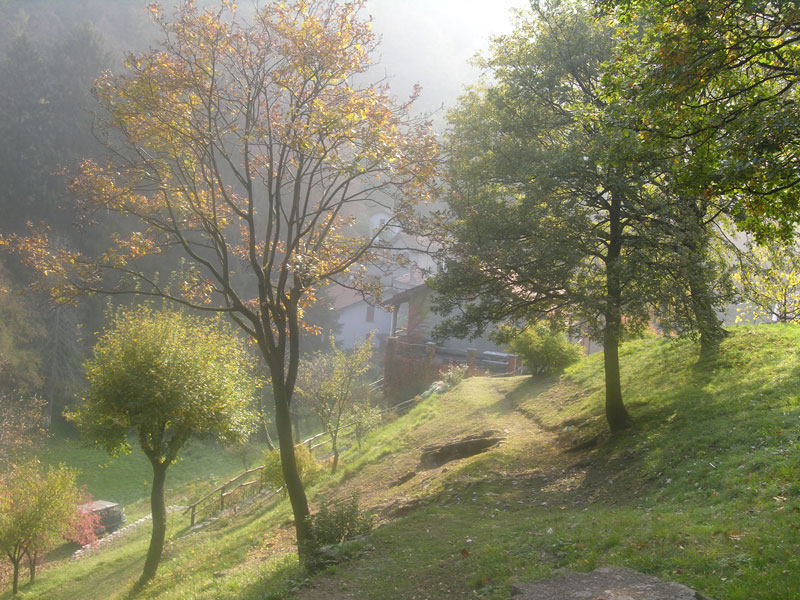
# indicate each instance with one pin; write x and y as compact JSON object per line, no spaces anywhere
{"x":224,"y":492}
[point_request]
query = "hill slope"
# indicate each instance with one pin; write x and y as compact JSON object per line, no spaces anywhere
{"x":704,"y":490}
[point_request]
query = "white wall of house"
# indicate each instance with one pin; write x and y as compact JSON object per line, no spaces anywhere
{"x":356,"y":324}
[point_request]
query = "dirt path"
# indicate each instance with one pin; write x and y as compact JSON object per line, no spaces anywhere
{"x":529,"y":452}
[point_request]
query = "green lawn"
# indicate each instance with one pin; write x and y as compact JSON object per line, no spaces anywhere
{"x":703,"y":490}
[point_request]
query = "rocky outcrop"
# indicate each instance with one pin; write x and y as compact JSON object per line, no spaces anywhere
{"x":608,"y":583}
{"x":439,"y":454}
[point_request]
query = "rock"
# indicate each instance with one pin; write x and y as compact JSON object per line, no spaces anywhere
{"x":608,"y":583}
{"x":439,"y":454}
{"x":403,"y":479}
{"x":403,"y":506}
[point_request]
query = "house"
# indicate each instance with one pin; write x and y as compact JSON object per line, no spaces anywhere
{"x":359,"y":316}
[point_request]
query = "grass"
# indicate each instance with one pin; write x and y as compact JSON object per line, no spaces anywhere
{"x":703,"y":490}
{"x":126,"y":478}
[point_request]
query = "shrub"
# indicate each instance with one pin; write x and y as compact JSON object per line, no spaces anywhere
{"x":307,"y":467}
{"x":337,"y":522}
{"x":453,"y":374}
{"x":543,"y":349}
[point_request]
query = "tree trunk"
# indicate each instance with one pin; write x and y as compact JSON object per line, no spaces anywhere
{"x":294,"y":486}
{"x":616,"y":414}
{"x":709,"y":325}
{"x":32,"y":565}
{"x":158,"y":509}
{"x":335,"y":450}
{"x":15,"y":583}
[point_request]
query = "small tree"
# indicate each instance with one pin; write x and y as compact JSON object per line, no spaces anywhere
{"x":326,"y":383}
{"x":365,"y":417}
{"x":20,"y":426}
{"x":37,"y":508}
{"x":768,"y":279}
{"x":165,"y":377}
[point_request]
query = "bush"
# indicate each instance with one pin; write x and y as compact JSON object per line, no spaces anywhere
{"x":337,"y":522}
{"x":543,"y":349}
{"x":454,"y":374}
{"x":307,"y":467}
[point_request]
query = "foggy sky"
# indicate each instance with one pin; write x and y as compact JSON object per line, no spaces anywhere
{"x":430,"y":42}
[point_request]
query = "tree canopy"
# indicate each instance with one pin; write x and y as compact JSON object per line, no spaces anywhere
{"x":549,"y":203}
{"x":38,"y":507}
{"x":165,"y":378}
{"x":247,"y":147}
{"x":721,"y":77}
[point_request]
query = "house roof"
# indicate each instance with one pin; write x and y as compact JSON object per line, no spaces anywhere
{"x":342,"y":297}
{"x":406,"y":295}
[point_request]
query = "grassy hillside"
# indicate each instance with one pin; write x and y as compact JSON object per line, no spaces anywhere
{"x":126,"y":478}
{"x":704,"y":490}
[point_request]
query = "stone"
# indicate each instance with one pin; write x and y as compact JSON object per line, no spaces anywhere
{"x":439,"y":454}
{"x":608,"y":583}
{"x":403,"y":479}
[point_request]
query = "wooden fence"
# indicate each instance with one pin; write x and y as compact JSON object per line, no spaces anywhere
{"x":227,"y":489}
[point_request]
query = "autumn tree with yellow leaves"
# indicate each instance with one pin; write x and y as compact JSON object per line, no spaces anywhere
{"x":247,"y":145}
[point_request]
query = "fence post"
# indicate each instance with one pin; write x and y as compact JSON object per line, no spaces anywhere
{"x":512,"y":364}
{"x":389,"y":362}
{"x":430,"y":361}
{"x":471,"y":354}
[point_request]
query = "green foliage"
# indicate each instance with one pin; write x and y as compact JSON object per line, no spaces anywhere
{"x":768,"y":279}
{"x":327,"y":383}
{"x":308,"y":468}
{"x":542,"y":348}
{"x":20,"y":427}
{"x":365,"y":417}
{"x":166,"y":377}
{"x":21,"y":336}
{"x":37,"y":509}
{"x":337,"y":522}
{"x":719,"y":78}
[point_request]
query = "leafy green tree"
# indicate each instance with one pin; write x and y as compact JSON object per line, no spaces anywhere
{"x":720,"y":79}
{"x":165,"y":377}
{"x":20,"y":340}
{"x":20,"y":427}
{"x":365,"y":417}
{"x":326,"y":384}
{"x":550,"y":203}
{"x":37,"y":508}
{"x":768,"y":279}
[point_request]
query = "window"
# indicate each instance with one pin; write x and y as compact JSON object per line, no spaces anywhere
{"x":370,"y":313}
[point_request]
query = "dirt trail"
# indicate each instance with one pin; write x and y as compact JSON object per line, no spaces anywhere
{"x":529,"y":452}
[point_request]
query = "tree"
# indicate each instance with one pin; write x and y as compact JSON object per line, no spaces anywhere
{"x":244,"y":147}
{"x":20,"y":426}
{"x":20,"y":338}
{"x":550,"y":204}
{"x":768,"y":279}
{"x":722,"y":77}
{"x":326,"y":385}
{"x":165,"y":378}
{"x":20,"y":408}
{"x":37,"y":508}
